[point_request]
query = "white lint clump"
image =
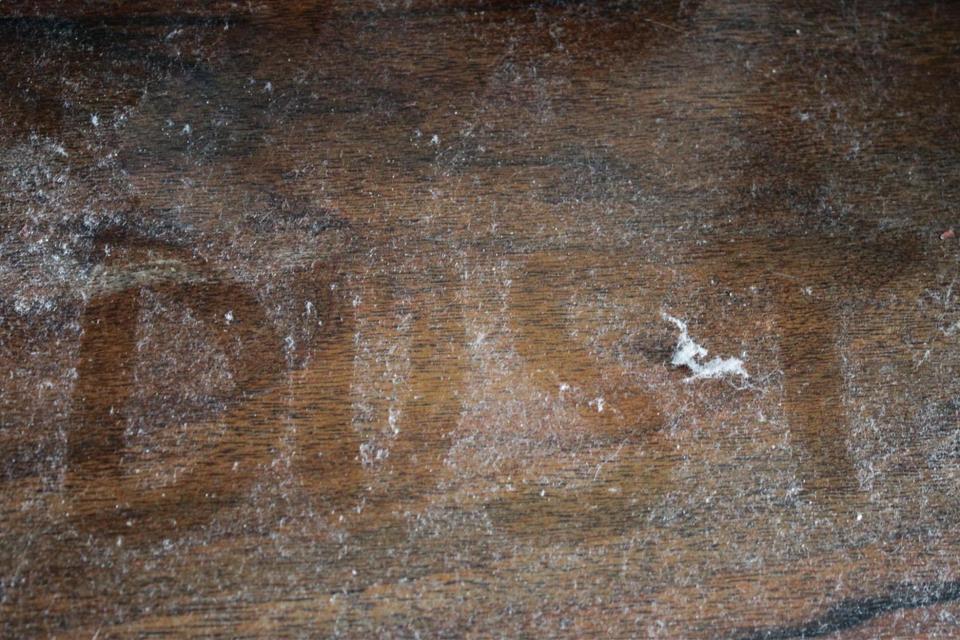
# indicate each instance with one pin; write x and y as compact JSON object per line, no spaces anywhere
{"x":689,"y":354}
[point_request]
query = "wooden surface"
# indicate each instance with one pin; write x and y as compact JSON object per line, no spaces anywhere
{"x":348,"y":319}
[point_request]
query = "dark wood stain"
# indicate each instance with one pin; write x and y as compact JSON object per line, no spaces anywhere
{"x":326,"y":318}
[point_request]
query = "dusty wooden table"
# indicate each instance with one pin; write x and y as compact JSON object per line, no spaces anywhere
{"x":386,"y":319}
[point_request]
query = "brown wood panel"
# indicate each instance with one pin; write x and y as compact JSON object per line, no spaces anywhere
{"x":351,"y":319}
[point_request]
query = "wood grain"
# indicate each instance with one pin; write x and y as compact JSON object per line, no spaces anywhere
{"x":347,"y":319}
